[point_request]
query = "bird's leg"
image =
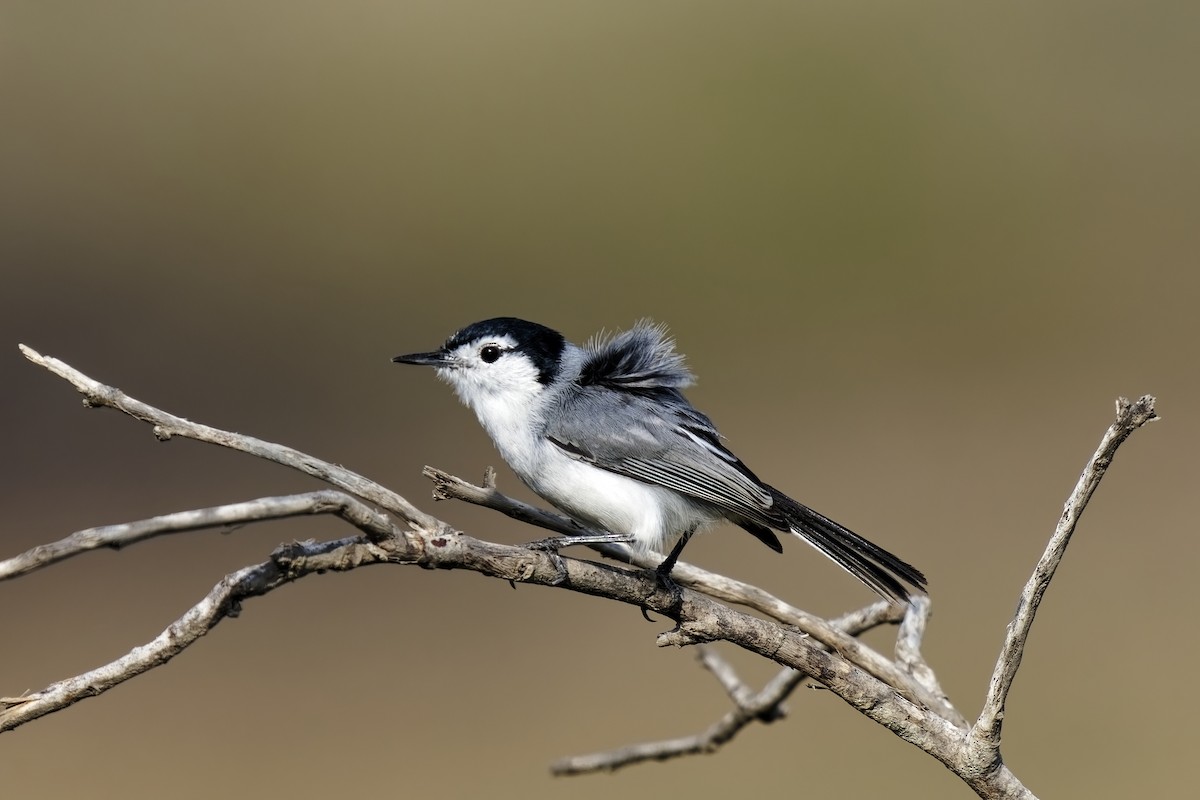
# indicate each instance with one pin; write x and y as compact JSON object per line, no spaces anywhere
{"x":554,"y":543}
{"x":668,"y":564}
{"x":663,"y":571}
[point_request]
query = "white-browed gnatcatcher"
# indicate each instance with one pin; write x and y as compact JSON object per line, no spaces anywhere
{"x":604,"y":433}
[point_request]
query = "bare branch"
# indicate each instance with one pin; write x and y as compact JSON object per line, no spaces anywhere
{"x":450,"y":487}
{"x":166,"y":425}
{"x":985,"y":735}
{"x":764,"y":706}
{"x":903,"y":696}
{"x":909,"y":658}
{"x":325,"y":501}
{"x":726,"y":675}
{"x":287,"y":564}
{"x":447,"y":486}
{"x":701,"y":618}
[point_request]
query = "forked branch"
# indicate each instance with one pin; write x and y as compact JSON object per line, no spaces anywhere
{"x":766,"y":706}
{"x":985,"y":734}
{"x":902,"y":694}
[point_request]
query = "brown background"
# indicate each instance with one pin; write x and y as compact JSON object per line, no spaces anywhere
{"x":914,"y":251}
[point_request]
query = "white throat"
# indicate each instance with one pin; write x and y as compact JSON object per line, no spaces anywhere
{"x":511,"y":410}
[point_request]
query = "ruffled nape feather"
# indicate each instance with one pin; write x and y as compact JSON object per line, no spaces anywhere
{"x":642,"y":357}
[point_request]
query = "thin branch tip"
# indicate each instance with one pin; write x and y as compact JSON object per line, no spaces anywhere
{"x":33,"y":355}
{"x":901,"y":694}
{"x":1138,"y":412}
{"x":985,"y":734}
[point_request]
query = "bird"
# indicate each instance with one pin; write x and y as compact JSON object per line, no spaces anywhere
{"x":604,"y":433}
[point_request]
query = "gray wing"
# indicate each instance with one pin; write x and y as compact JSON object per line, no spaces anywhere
{"x":658,"y":438}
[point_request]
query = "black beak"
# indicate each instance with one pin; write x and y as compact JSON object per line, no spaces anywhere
{"x":437,"y":359}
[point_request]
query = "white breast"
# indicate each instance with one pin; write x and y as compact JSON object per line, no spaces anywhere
{"x":597,"y":497}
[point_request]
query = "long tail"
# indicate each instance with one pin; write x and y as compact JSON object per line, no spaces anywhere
{"x":877,"y":568}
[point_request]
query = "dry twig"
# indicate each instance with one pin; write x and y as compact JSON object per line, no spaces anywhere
{"x":765,"y":706}
{"x":985,"y":734}
{"x":720,"y":587}
{"x":903,"y":695}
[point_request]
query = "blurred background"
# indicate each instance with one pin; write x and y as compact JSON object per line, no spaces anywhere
{"x":914,"y":252}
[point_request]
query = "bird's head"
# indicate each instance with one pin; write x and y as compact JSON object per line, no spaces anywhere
{"x":504,"y":359}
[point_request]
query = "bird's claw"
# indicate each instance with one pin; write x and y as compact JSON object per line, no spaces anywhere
{"x":667,"y":584}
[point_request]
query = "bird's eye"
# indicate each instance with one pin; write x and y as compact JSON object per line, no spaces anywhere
{"x":489,"y":353}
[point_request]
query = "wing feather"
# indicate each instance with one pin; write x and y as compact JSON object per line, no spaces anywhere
{"x":657,"y":443}
{"x":629,"y":417}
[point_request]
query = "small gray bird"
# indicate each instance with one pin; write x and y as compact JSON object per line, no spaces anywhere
{"x":604,"y":433}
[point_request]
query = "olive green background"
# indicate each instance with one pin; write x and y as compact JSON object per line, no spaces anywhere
{"x":914,"y":251}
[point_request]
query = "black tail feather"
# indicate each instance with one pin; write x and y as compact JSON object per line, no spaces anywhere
{"x":763,"y":534}
{"x":884,"y":572}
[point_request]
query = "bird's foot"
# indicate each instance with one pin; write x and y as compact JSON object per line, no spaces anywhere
{"x":666,"y":583}
{"x":551,"y":544}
